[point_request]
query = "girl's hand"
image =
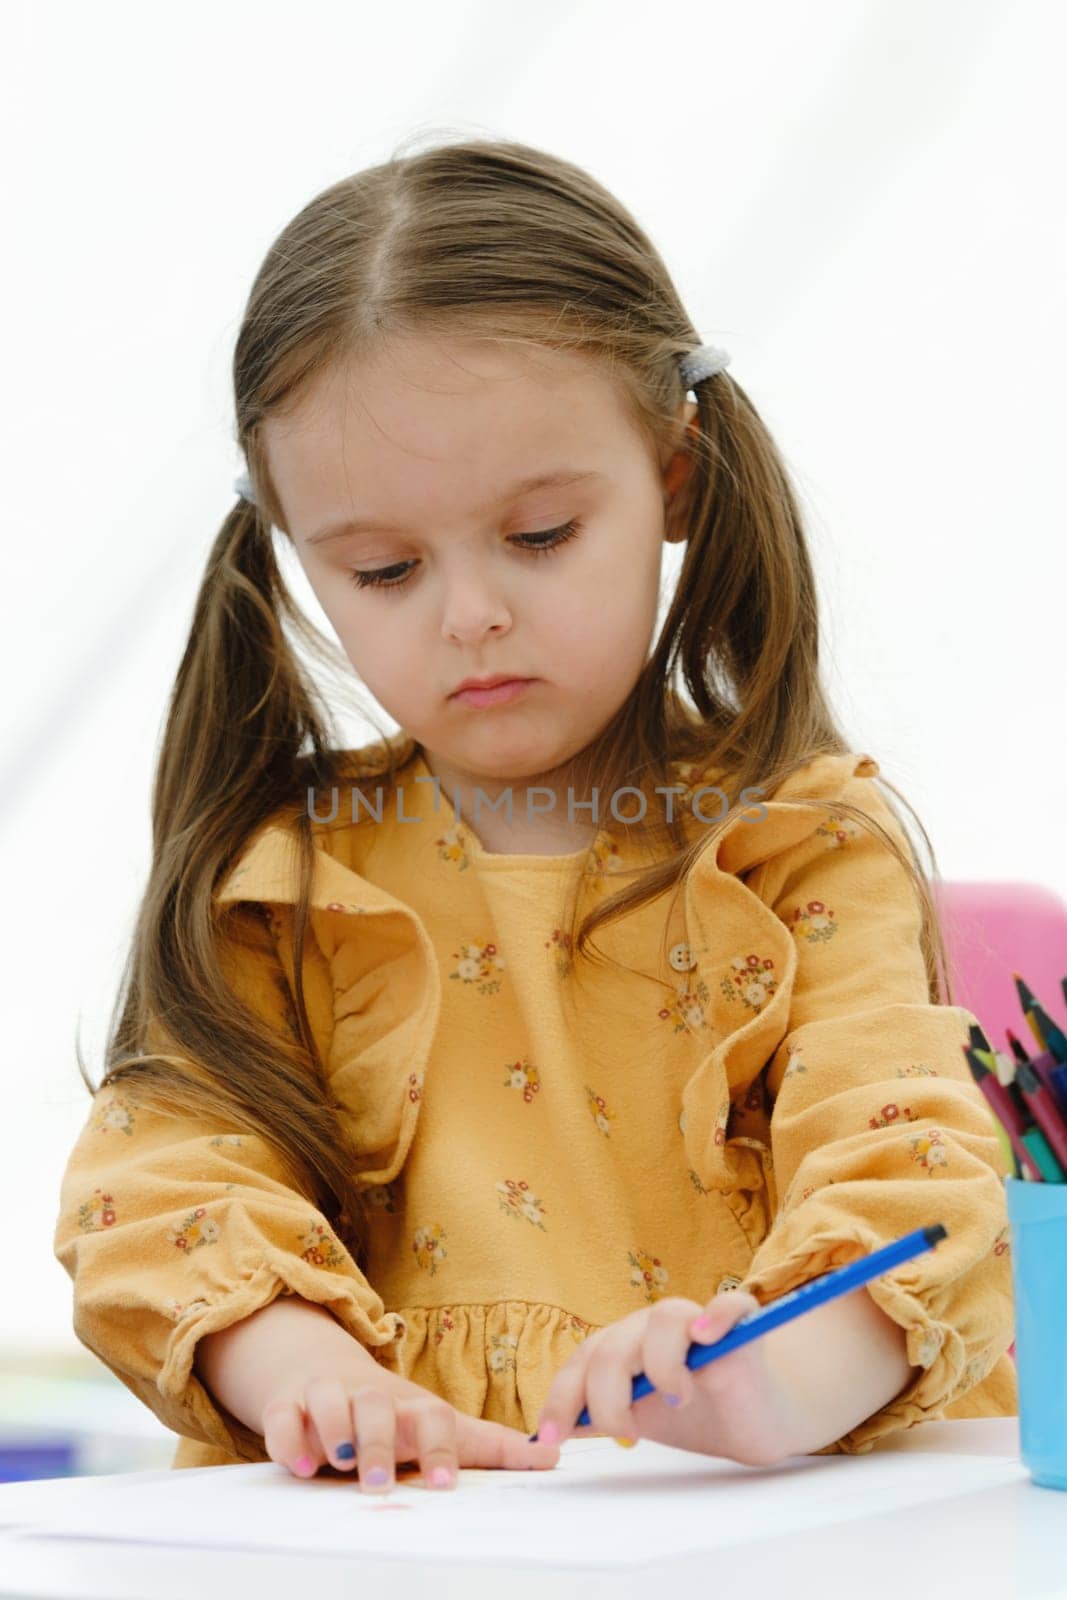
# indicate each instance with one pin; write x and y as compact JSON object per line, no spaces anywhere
{"x":382,"y":1420}
{"x":734,"y":1407}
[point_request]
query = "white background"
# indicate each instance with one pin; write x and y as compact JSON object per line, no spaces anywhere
{"x":862,"y":202}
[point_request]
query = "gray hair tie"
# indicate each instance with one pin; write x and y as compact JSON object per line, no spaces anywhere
{"x":702,"y":363}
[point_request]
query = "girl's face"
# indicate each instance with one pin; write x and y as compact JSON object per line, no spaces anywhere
{"x":425,"y":447}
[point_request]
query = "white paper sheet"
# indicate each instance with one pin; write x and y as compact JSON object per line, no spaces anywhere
{"x":600,"y":1506}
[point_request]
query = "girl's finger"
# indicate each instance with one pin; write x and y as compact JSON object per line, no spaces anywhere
{"x":435,"y":1436}
{"x":720,"y":1314}
{"x":608,"y":1388}
{"x":286,"y":1441}
{"x":566,"y":1395}
{"x":375,"y":1429}
{"x":327,"y":1406}
{"x":666,"y":1343}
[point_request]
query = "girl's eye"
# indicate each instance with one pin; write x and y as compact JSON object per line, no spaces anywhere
{"x":551,"y":540}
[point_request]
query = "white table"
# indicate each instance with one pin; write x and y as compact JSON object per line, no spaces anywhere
{"x":1005,"y":1543}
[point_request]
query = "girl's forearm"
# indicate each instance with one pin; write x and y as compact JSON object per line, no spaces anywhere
{"x":840,"y":1364}
{"x":245,"y":1365}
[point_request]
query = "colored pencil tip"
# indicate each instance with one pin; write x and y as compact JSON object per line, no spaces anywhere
{"x":1018,"y":1050}
{"x":1045,"y":1022}
{"x":978,"y":1038}
{"x":1026,"y":996}
{"x":978,"y":1069}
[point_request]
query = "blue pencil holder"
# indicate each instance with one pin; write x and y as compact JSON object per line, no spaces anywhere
{"x":1037,"y":1216}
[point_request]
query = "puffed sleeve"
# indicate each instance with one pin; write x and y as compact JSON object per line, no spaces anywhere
{"x":171,"y":1229}
{"x":876,"y":1126}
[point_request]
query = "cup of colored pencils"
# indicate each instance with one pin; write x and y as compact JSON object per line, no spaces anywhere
{"x":1027,"y":1095}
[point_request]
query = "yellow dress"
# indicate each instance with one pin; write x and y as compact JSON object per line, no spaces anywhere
{"x":759,"y":1093}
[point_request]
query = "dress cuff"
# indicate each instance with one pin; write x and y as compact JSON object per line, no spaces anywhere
{"x":191,"y":1410}
{"x":933,"y":1345}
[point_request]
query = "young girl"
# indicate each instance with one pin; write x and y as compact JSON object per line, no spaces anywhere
{"x":394,"y":1161}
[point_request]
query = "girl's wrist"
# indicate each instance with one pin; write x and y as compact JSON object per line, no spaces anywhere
{"x":838,"y":1365}
{"x":246,"y":1365}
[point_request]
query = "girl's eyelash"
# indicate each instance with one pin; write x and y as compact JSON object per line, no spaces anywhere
{"x":554,"y":537}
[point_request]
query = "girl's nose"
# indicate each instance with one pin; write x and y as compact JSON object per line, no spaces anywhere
{"x":474,"y":604}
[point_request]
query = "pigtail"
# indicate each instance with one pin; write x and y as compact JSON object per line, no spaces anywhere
{"x":245,"y":737}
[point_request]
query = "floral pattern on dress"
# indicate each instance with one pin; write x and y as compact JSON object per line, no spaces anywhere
{"x":815,"y":921}
{"x":805,"y":1194}
{"x":514,"y":1197}
{"x":444,"y":1325}
{"x":479,"y":964}
{"x":685,"y":1009}
{"x":415,"y":1080}
{"x":97,"y":1213}
{"x":606,"y":858}
{"x":917,"y":1069}
{"x":890,"y":1114}
{"x":721,"y":1122}
{"x":561,"y":944}
{"x":521,"y":1075}
{"x":578,"y":1327}
{"x":1002,"y":1242}
{"x":598,"y":1110}
{"x":648,"y":1274}
{"x":319,"y":1246}
{"x":502,"y":1352}
{"x":220,"y":1139}
{"x":428,"y":1249}
{"x":929,"y":1345}
{"x":452,"y":847}
{"x":928,"y":1150}
{"x":194,"y":1230}
{"x":837,"y":830}
{"x":333,"y":905}
{"x":752,"y":980}
{"x":796,"y":1064}
{"x":115,"y":1111}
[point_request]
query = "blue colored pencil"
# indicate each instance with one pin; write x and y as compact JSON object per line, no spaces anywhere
{"x":796,"y":1302}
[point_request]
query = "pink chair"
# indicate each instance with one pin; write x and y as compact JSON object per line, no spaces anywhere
{"x":993,"y":930}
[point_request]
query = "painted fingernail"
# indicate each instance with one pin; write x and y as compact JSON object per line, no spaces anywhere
{"x":627,"y":1444}
{"x":702,"y":1324}
{"x":376,"y":1475}
{"x":673,"y":1399}
{"x":548,"y":1433}
{"x":346,"y":1451}
{"x":304,"y":1465}
{"x":440,"y":1477}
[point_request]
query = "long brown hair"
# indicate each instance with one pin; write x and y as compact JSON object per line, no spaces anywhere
{"x":500,"y":241}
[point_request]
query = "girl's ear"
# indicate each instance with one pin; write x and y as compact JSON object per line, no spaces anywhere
{"x":675,"y":476}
